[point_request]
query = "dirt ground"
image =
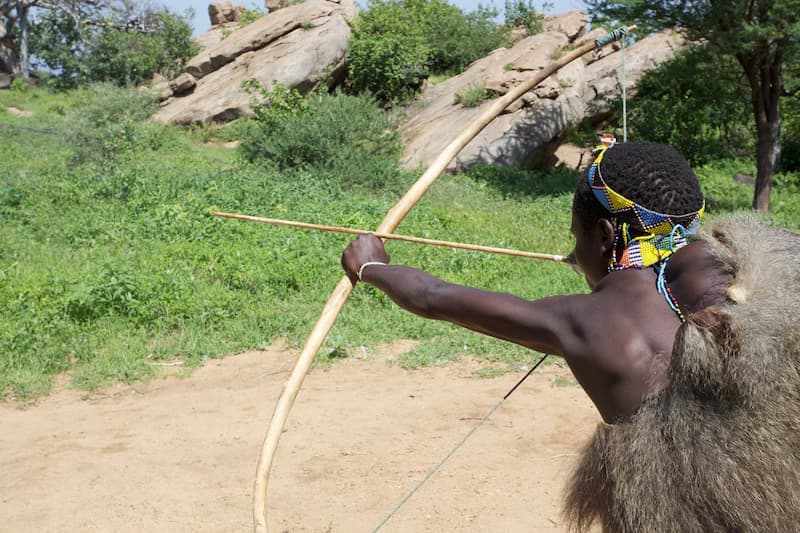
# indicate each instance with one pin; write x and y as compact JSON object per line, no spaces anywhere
{"x":179,"y":454}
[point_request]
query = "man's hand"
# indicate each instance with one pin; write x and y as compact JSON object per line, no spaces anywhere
{"x":363,"y":249}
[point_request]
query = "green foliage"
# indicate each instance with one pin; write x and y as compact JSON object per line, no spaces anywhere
{"x":130,"y":58}
{"x":331,"y":135}
{"x":388,"y":53}
{"x":694,"y":102}
{"x":250,"y":15}
{"x":110,"y":123}
{"x":489,"y":372}
{"x":522,"y":14}
{"x":110,"y":265}
{"x":56,"y":40}
{"x":733,"y":26}
{"x":790,"y":114}
{"x":18,"y":85}
{"x":474,"y":95}
{"x":455,"y":38}
{"x":762,"y":36}
{"x":397,"y":43}
{"x":80,"y":54}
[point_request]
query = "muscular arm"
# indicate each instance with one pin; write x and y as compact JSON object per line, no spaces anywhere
{"x":539,"y":325}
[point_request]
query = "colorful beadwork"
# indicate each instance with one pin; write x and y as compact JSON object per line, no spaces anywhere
{"x":663,"y":235}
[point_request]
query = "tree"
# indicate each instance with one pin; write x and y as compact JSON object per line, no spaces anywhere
{"x":15,"y":26}
{"x":694,"y":103}
{"x":760,"y":34}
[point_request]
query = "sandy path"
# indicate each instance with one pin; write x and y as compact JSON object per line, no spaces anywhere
{"x":179,"y":454}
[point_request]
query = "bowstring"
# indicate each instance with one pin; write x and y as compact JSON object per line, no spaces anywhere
{"x":457,"y":446}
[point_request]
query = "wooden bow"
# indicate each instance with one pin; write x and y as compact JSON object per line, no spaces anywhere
{"x":339,"y":296}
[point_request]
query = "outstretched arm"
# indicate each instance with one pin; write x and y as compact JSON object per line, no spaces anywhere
{"x":542,"y":325}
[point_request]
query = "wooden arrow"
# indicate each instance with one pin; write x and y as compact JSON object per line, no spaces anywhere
{"x":393,"y":236}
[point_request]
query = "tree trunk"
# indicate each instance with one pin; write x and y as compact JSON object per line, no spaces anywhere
{"x":7,"y":59}
{"x":24,"y":59}
{"x":763,"y":70}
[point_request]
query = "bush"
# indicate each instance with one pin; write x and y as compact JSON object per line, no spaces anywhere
{"x":521,"y":14}
{"x":388,"y":52}
{"x":474,"y":95}
{"x":457,"y":39}
{"x":112,"y":122}
{"x":346,"y":138}
{"x":397,"y":43}
{"x":104,"y":52}
{"x":790,"y":130}
{"x":697,"y":103}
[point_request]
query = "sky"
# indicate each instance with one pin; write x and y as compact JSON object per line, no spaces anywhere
{"x":201,"y":22}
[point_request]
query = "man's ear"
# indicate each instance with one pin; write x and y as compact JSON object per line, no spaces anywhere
{"x":606,"y":233}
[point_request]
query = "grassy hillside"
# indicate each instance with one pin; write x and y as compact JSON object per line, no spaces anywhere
{"x":110,"y":264}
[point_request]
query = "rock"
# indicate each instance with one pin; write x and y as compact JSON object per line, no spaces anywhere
{"x":5,"y":81}
{"x":215,"y":35}
{"x":300,"y":46}
{"x":528,"y":131}
{"x":522,"y":60}
{"x":224,"y":12}
{"x":17,"y":112}
{"x":183,"y":83}
{"x":274,"y":5}
{"x":603,"y":77}
{"x":572,"y":156}
{"x":265,"y":31}
{"x":161,"y":87}
{"x":572,"y":24}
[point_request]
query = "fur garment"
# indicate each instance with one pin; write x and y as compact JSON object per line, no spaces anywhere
{"x":718,"y":448}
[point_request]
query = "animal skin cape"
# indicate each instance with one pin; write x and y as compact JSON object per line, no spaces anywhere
{"x":718,"y":448}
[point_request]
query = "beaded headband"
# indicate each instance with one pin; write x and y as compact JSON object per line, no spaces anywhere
{"x":616,"y":204}
{"x":665,"y":234}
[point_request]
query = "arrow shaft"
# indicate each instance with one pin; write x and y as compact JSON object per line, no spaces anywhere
{"x":392,"y":236}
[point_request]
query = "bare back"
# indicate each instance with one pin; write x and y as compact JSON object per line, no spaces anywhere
{"x":626,"y":330}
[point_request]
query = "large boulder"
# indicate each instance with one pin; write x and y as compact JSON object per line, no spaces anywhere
{"x":571,"y":23}
{"x":224,"y":12}
{"x":526,"y":132}
{"x":300,"y":46}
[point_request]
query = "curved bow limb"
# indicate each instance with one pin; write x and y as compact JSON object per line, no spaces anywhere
{"x":340,"y":294}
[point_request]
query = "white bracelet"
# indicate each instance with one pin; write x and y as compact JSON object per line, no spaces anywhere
{"x":361,"y":268}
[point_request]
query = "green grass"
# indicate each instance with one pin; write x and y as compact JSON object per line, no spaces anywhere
{"x":474,"y":95}
{"x":110,"y":264}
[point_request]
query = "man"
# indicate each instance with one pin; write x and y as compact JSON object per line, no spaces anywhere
{"x":633,"y":214}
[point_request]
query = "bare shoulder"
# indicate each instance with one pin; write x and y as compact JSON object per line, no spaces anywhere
{"x":604,"y":327}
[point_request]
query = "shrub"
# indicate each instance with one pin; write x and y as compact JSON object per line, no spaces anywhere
{"x":522,"y":14}
{"x":83,"y":54}
{"x":696,"y":102}
{"x":457,"y":39}
{"x":346,"y":138}
{"x":111,"y":121}
{"x":251,"y":15}
{"x":387,"y":53}
{"x":790,"y":130}
{"x":474,"y":95}
{"x":397,"y":43}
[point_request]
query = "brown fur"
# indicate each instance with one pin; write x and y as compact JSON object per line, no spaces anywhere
{"x":718,"y":449}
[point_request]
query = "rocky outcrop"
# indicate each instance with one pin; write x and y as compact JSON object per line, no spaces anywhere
{"x":572,"y":24}
{"x":274,"y":5}
{"x":300,"y":46}
{"x":224,"y":12}
{"x":526,"y":132}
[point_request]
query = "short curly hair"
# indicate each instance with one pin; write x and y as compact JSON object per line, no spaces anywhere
{"x":653,"y":175}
